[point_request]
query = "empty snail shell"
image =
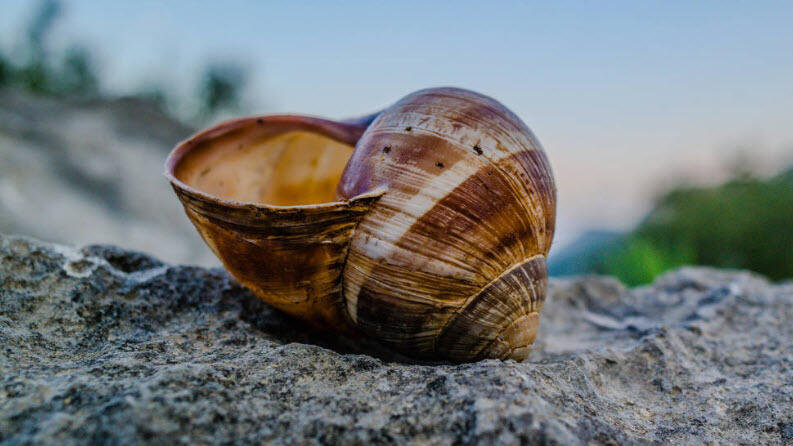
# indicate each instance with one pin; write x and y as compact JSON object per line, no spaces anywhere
{"x":425,"y":226}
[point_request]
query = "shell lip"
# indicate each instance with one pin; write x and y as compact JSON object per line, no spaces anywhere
{"x":346,"y":132}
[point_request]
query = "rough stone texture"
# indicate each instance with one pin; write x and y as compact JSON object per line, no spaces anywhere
{"x":91,"y":171}
{"x":100,"y":345}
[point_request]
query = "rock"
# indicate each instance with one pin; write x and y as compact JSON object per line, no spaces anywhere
{"x":91,"y":171}
{"x":100,"y":345}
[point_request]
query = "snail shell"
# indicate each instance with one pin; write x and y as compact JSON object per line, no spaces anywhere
{"x":434,"y":241}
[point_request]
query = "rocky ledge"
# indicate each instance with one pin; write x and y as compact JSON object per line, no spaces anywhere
{"x":100,"y":345}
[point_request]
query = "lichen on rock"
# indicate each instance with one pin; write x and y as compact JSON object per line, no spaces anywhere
{"x":102,"y":345}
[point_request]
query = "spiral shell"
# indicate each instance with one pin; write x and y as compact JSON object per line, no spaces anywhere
{"x":430,"y":236}
{"x":451,"y":260}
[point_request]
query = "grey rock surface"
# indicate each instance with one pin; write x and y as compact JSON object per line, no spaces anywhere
{"x":101,"y":345}
{"x":91,"y":172}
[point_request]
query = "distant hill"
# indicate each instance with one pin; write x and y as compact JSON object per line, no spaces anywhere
{"x":744,"y":223}
{"x":579,"y":257}
{"x":90,"y":171}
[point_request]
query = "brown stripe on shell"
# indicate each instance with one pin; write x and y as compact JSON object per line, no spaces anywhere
{"x":463,"y":119}
{"x":485,"y":224}
{"x":290,"y":257}
{"x":470,"y":198}
{"x":290,"y":254}
{"x":482,"y":326}
{"x":411,"y":267}
{"x":536,"y":180}
{"x":514,"y":342}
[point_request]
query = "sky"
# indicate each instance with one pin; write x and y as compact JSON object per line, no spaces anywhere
{"x":627,"y":98}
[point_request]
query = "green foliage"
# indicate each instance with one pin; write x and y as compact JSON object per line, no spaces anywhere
{"x":5,"y":71}
{"x":77,"y":75}
{"x":73,"y":74}
{"x":638,"y":260}
{"x":221,"y":86}
{"x":41,"y":25}
{"x":745,"y":223}
{"x":34,"y":77}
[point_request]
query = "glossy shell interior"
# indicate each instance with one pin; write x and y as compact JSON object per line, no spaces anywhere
{"x":261,"y":192}
{"x":296,"y":167}
{"x":426,"y":228}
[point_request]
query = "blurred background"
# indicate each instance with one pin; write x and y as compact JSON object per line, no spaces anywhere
{"x":669,"y":125}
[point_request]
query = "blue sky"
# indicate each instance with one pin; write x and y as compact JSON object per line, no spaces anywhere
{"x":625,"y":96}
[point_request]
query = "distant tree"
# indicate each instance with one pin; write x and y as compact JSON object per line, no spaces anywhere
{"x":745,"y":223}
{"x":34,"y":77}
{"x":40,"y":26}
{"x":77,"y":74}
{"x":637,"y":259}
{"x":5,"y":71}
{"x":71,"y":74}
{"x":221,"y":86}
{"x":34,"y":74}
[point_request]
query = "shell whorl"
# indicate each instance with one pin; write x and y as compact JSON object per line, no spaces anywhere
{"x":434,"y":241}
{"x":451,"y":260}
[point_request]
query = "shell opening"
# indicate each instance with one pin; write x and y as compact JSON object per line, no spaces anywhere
{"x":265,"y":164}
